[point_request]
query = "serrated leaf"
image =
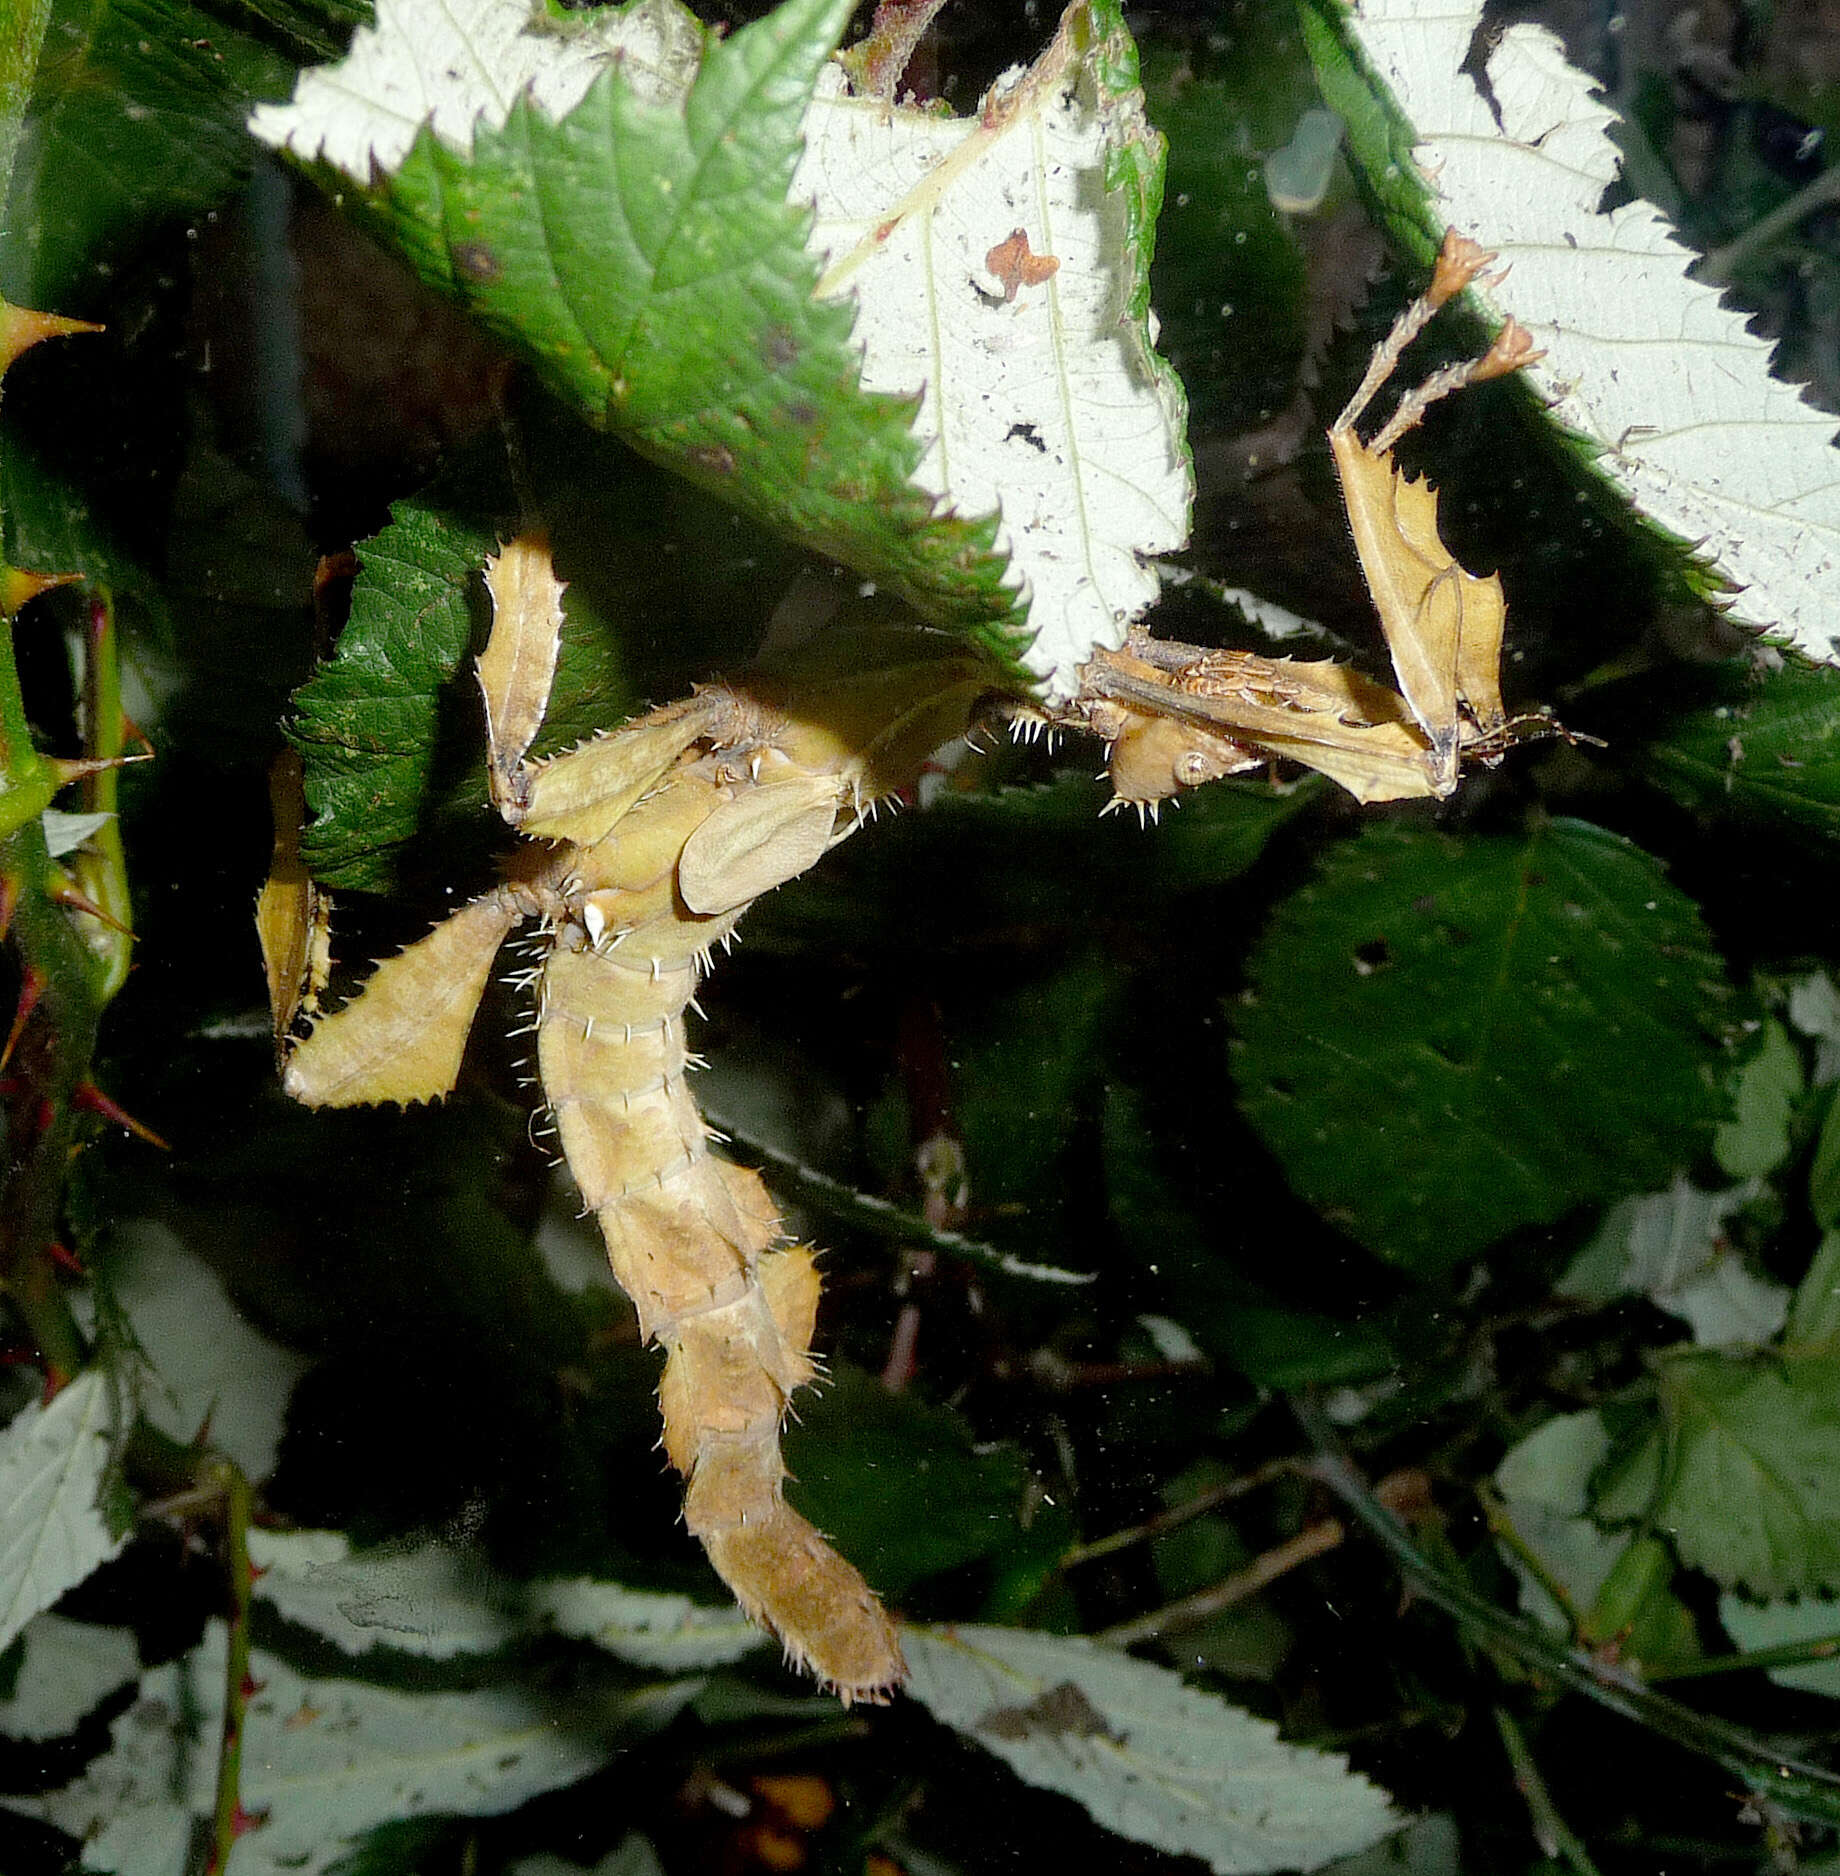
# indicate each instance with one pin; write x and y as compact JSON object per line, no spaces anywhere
{"x":1663,"y":382}
{"x":69,"y":1669}
{"x":1743,"y":1474}
{"x":1039,"y":397}
{"x":899,"y":1483}
{"x":213,"y":1372}
{"x":647,"y":1627}
{"x":1154,"y":1760}
{"x":1537,"y":1016}
{"x":1755,"y":746}
{"x":52,"y":1532}
{"x":367,"y":720}
{"x":137,"y":117}
{"x":326,"y":1760}
{"x":629,"y":228}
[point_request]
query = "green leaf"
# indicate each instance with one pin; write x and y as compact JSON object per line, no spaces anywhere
{"x":1755,"y":1141}
{"x":1824,"y":1172}
{"x":137,"y":118}
{"x":1743,"y":1473}
{"x":1150,"y":1758}
{"x":1231,"y":1317}
{"x":434,"y":1600}
{"x":1617,"y":1585}
{"x":900,"y":1484}
{"x":1448,"y":1037}
{"x":367,"y":721}
{"x":1814,"y":1316}
{"x":1672,"y":1248}
{"x":644,"y":254}
{"x":52,"y":1533}
{"x":670,"y":1634}
{"x":214,"y":1377}
{"x":1757,"y":1626}
{"x":1754,"y":747}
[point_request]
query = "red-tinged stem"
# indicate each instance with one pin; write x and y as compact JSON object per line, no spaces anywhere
{"x":49,"y":1062}
{"x":229,"y":1820}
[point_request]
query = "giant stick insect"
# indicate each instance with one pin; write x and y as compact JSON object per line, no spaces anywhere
{"x":645,"y":845}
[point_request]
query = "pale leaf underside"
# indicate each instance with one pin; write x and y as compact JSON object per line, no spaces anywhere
{"x":52,"y":1535}
{"x":1041,"y":400}
{"x":1148,"y":1757}
{"x":1643,"y":362}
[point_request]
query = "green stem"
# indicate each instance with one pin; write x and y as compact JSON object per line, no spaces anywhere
{"x":227,"y":1818}
{"x":1788,"y":1784}
{"x":1723,"y":262}
{"x":835,"y":1200}
{"x":1554,"y":1836}
{"x":27,"y":780}
{"x":1797,"y":1654}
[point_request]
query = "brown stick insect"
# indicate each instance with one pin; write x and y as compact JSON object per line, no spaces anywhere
{"x":645,"y":845}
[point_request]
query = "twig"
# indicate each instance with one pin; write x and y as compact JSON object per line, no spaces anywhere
{"x":1264,"y":1570}
{"x":1795,"y":1654}
{"x":228,"y":1818}
{"x":1554,"y":1836}
{"x":1775,"y":1778}
{"x":1178,"y":1515}
{"x":1723,"y":262}
{"x":834,"y":1199}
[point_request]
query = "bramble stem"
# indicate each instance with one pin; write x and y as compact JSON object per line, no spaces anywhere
{"x":228,"y":1819}
{"x":1554,"y":1836}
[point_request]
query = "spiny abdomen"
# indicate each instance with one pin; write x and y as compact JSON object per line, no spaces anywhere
{"x":695,"y":1242}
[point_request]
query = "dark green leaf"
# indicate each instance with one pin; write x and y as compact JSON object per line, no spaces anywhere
{"x":138,"y":117}
{"x":1449,"y":1037}
{"x":1230,"y":1317}
{"x":367,"y":721}
{"x":900,"y":1484}
{"x":1756,"y":747}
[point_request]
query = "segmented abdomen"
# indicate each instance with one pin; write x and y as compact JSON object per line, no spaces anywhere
{"x":694,"y":1241}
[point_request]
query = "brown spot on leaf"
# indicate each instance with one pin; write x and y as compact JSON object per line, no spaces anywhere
{"x":715,"y":459}
{"x":1062,"y":1712}
{"x":779,"y":349}
{"x":475,"y":261}
{"x":1011,"y":262}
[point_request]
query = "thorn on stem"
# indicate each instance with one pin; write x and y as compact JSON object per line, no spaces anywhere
{"x":92,"y":1100}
